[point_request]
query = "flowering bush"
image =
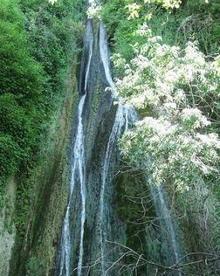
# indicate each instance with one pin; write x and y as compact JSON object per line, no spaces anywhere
{"x":135,"y":9}
{"x":52,"y":1}
{"x":167,"y":4}
{"x":94,"y":11}
{"x":168,"y":85}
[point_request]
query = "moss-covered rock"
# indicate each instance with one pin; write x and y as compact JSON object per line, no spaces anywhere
{"x":42,"y":195}
{"x":7,"y":227}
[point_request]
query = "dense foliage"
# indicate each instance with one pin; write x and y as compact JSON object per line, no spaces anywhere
{"x":35,"y":39}
{"x":193,"y":20}
{"x":166,"y":64}
{"x":173,"y":84}
{"x":170,"y":87}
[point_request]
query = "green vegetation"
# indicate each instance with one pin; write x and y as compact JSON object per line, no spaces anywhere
{"x":193,"y":20}
{"x":40,"y":44}
{"x":171,"y":82}
{"x":35,"y":50}
{"x":169,"y":86}
{"x":166,"y":64}
{"x":21,"y":82}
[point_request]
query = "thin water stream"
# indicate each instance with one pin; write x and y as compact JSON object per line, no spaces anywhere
{"x":168,"y":226}
{"x":124,"y":115}
{"x":77,"y":173}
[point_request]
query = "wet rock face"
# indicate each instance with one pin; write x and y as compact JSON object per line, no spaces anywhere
{"x":7,"y":228}
{"x":44,"y":195}
{"x":98,"y":118}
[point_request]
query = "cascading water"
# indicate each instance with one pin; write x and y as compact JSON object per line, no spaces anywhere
{"x":122,"y":120}
{"x":89,"y":41}
{"x":77,"y":175}
{"x":167,"y":226}
{"x":125,"y":114}
{"x":77,"y":168}
{"x":103,"y":47}
{"x":80,"y":163}
{"x":89,"y":220}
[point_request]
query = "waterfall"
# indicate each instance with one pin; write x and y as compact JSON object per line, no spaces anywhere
{"x":125,"y":115}
{"x":103,"y":46}
{"x":77,"y":173}
{"x":78,"y":170}
{"x":167,"y":224}
{"x":80,"y":163}
{"x":89,"y":35}
{"x":95,"y":188}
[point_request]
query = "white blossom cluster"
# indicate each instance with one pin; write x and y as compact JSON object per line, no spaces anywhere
{"x":167,"y":4}
{"x":168,"y":85}
{"x":52,"y":1}
{"x":94,"y":11}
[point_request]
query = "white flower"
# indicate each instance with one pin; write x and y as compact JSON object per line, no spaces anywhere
{"x":133,"y":10}
{"x":172,"y":76}
{"x":196,"y":115}
{"x":210,"y":140}
{"x":170,"y":106}
{"x":155,"y":39}
{"x":193,"y":54}
{"x":159,"y":127}
{"x":94,"y":11}
{"x":52,"y":1}
{"x":141,"y":62}
{"x":143,"y":30}
{"x":179,"y":95}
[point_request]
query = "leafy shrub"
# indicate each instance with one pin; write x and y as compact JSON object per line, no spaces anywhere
{"x":168,"y":85}
{"x":10,"y":154}
{"x":165,"y":83}
{"x":15,"y":121}
{"x":34,"y":53}
{"x":35,"y":266}
{"x":21,"y":79}
{"x":193,"y":20}
{"x":19,"y":73}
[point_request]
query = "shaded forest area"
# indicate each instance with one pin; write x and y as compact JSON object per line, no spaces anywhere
{"x":35,"y":42}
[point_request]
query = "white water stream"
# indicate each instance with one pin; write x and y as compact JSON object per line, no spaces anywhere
{"x":122,"y":119}
{"x":167,"y":223}
{"x":103,"y":47}
{"x":77,"y":174}
{"x":124,"y":115}
{"x":89,"y":35}
{"x":79,"y":151}
{"x":78,"y":170}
